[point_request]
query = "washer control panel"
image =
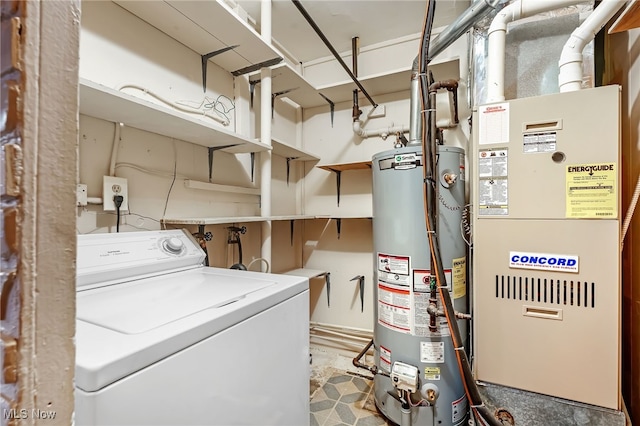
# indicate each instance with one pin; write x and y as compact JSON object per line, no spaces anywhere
{"x":109,"y":257}
{"x":173,"y":246}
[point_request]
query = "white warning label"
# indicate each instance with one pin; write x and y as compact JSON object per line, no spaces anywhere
{"x":459,"y":409}
{"x":539,"y":142}
{"x":394,"y":308}
{"x":385,"y":359}
{"x":493,"y":191}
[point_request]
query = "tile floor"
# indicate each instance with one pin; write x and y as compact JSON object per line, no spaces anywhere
{"x":340,"y":395}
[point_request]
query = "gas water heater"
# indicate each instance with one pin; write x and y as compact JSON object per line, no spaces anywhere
{"x":546,"y":183}
{"x":418,"y":380}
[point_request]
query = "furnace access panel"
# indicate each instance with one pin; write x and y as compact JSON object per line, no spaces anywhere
{"x":546,"y":196}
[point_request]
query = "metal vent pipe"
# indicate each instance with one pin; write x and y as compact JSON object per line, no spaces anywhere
{"x":478,"y":10}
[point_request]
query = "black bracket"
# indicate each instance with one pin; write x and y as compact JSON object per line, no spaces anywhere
{"x":291,"y":222}
{"x":338,"y":225}
{"x":360,"y":279}
{"x":205,"y":58}
{"x":327,"y":280}
{"x":252,"y":89}
{"x":256,"y":67}
{"x":338,"y":179}
{"x":289,"y":167}
{"x":275,"y":95}
{"x":332,"y":105}
{"x":253,"y":164}
{"x":213,"y":149}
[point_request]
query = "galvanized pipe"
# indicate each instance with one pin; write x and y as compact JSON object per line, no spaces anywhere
{"x":478,"y":10}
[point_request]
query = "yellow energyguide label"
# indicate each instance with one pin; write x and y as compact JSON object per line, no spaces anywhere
{"x":592,"y":191}
{"x":459,"y":277}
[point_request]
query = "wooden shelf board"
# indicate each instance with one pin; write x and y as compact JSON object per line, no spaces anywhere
{"x":112,"y":105}
{"x":206,"y":26}
{"x":628,"y":19}
{"x":340,"y":167}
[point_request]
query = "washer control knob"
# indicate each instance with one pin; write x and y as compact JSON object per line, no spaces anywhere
{"x":173,"y":245}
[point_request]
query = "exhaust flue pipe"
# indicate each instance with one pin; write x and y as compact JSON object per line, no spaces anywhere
{"x":570,"y":76}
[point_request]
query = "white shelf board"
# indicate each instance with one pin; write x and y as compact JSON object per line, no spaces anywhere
{"x":307,"y":273}
{"x":207,"y":186}
{"x":285,"y":77}
{"x":112,"y":105}
{"x":391,"y":82}
{"x":206,"y":26}
{"x":288,"y":151}
{"x":233,"y":219}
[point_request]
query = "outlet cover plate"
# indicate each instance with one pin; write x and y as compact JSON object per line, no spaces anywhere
{"x":112,"y":186}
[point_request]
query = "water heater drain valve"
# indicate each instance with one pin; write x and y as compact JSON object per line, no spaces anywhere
{"x":404,"y":376}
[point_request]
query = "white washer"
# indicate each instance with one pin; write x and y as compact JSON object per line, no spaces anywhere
{"x":163,"y":340}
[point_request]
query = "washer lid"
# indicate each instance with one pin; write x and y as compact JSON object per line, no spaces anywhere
{"x":140,"y":306}
{"x":128,"y":327}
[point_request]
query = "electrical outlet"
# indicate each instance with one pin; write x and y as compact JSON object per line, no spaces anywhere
{"x":112,"y":186}
{"x":81,"y":194}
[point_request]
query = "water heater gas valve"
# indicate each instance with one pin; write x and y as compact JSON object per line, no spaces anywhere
{"x":404,"y":376}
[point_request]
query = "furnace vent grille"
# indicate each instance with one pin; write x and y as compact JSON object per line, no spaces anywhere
{"x":544,"y":290}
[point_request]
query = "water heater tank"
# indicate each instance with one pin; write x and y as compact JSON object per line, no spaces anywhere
{"x":402,"y":273}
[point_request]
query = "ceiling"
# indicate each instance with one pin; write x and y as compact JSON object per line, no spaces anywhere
{"x":373,"y":21}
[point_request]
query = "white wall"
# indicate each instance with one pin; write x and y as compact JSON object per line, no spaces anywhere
{"x":118,"y":49}
{"x":352,"y":254}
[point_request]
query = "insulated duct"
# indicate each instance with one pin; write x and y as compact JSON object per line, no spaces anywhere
{"x":570,"y":75}
{"x":497,"y":38}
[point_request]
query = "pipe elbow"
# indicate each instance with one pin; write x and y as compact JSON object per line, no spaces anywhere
{"x":358,"y":130}
{"x":508,"y":14}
